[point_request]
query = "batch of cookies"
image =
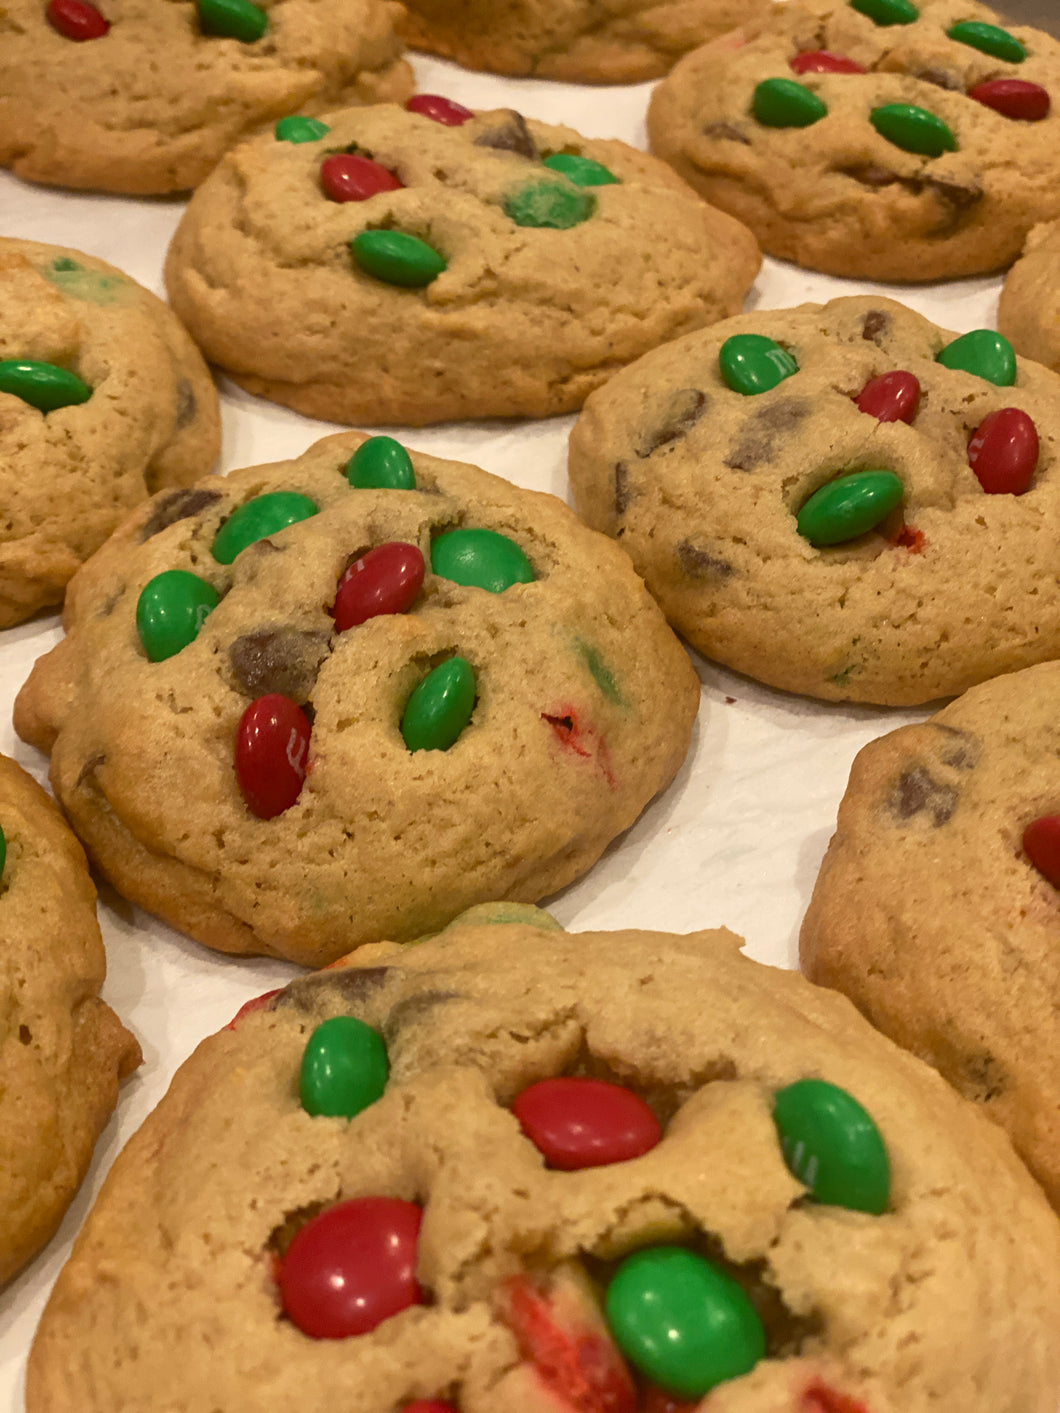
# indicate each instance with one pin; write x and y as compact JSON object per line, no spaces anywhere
{"x":362,"y":709}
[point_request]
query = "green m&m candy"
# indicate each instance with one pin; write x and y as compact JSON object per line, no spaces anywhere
{"x":887,"y":12}
{"x":381,"y":463}
{"x":397,"y":258}
{"x":43,"y":385}
{"x":298,"y":129}
{"x":832,"y":1146}
{"x":582,"y":171}
{"x":783,"y":103}
{"x":989,"y":39}
{"x":440,"y":707}
{"x":263,"y":516}
{"x":682,"y":1321}
{"x":233,"y":19}
{"x":849,"y":506}
{"x":171,"y":609}
{"x":549,"y":204}
{"x":752,"y":363}
{"x":983,"y":352}
{"x":344,"y":1068}
{"x":913,"y":129}
{"x":481,"y":559}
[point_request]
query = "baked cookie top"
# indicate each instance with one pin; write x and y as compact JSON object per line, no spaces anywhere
{"x":937,"y":908}
{"x":104,"y":399}
{"x":413,"y":267}
{"x":521,"y":1119}
{"x":883,"y":139}
{"x":475,"y":709}
{"x":579,"y":41}
{"x":1028,"y":312}
{"x":62,"y":1049}
{"x":842,"y":500}
{"x":141,"y":97}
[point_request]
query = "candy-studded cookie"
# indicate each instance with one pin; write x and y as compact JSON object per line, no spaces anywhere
{"x":511,"y":1167}
{"x":884,"y":139}
{"x":937,"y":909}
{"x":352,"y":694}
{"x":413,"y":267}
{"x":1028,"y":311}
{"x":579,"y":41}
{"x":134,"y":96}
{"x":842,"y":500}
{"x":62,"y":1049}
{"x":103,"y":400}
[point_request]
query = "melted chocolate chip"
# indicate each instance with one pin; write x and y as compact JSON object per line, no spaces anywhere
{"x":876,"y":323}
{"x":963,"y":754}
{"x":959,"y":201}
{"x":727,"y":132}
{"x":283,"y":660}
{"x":941,"y":78}
{"x":981,"y":1078}
{"x":89,"y":768}
{"x":700,"y":564}
{"x":414,"y":1008}
{"x":763,"y":430}
{"x":171,"y":506}
{"x":869,"y":174}
{"x":915,"y":792}
{"x":350,"y":984}
{"x":623,"y":494}
{"x":510,"y":136}
{"x":683,"y":411}
{"x":187,"y":406}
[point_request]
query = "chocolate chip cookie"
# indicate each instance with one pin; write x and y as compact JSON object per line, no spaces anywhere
{"x":62,"y":1049}
{"x":133,"y":96}
{"x":352,"y":694}
{"x":104,"y":399}
{"x":492,"y":1169}
{"x":414,"y":267}
{"x":841,"y":499}
{"x":1028,"y":311}
{"x":883,"y":139}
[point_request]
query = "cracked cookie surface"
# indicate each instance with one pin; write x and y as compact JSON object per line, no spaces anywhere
{"x":833,"y":193}
{"x":524,"y":320}
{"x":948,"y":1301}
{"x":1028,"y":310}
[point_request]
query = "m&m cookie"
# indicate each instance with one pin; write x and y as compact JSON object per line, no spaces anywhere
{"x":1028,"y":311}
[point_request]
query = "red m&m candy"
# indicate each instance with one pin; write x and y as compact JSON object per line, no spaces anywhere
{"x":823,"y":61}
{"x":439,"y":109}
{"x":76,"y":19}
{"x":1013,"y":98}
{"x":352,"y":1267}
{"x":347,"y":176}
{"x":1041,"y":844}
{"x":272,"y":747}
{"x":585,"y":1123}
{"x":385,"y":580}
{"x":1003,"y":452}
{"x":892,"y":397}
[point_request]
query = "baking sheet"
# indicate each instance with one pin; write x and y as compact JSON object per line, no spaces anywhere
{"x":736,"y":841}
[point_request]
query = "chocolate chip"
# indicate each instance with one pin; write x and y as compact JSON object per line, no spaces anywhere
{"x":187,"y":406}
{"x":915,"y":792}
{"x":700,"y":564}
{"x":171,"y":506}
{"x":512,"y":135}
{"x":283,"y":660}
{"x":349,"y":984}
{"x":683,"y":411}
{"x":941,"y":78}
{"x":763,"y":430}
{"x":623,"y":494}
{"x":727,"y":132}
{"x":89,"y":768}
{"x":876,"y":323}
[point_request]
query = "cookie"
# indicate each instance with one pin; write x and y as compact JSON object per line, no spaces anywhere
{"x":932,"y":910}
{"x":62,"y":1049}
{"x":517,"y":1120}
{"x":404,"y":268}
{"x":578,"y":41}
{"x":475,"y":709}
{"x":1028,"y":311}
{"x":841,"y":500}
{"x":104,"y":399}
{"x":880,"y":139}
{"x":133,"y":96}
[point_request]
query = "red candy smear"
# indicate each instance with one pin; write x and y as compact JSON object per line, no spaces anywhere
{"x":352,"y":1267}
{"x":910,"y":539}
{"x":1013,"y":98}
{"x":272,"y":747}
{"x":76,"y":19}
{"x":1003,"y":452}
{"x":892,"y":397}
{"x":819,"y":1398}
{"x":585,"y":1123}
{"x":385,"y":580}
{"x":439,"y":109}
{"x":346,"y":176}
{"x":257,"y":1003}
{"x":823,"y":61}
{"x":1041,"y":844}
{"x":580,"y":739}
{"x":428,"y":1405}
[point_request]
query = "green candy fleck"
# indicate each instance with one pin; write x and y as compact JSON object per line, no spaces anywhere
{"x":480,"y":559}
{"x":601,"y":673}
{"x":783,"y":103}
{"x":298,"y":129}
{"x":832,"y":1145}
{"x":81,"y":283}
{"x":849,"y":506}
{"x":397,"y":258}
{"x":263,"y":516}
{"x":440,"y":707}
{"x":344,"y":1068}
{"x":887,"y":12}
{"x":232,"y":19}
{"x":752,"y":363}
{"x":381,"y":463}
{"x":582,"y":171}
{"x":989,"y":39}
{"x":494,"y":914}
{"x":43,"y":385}
{"x":170,"y":611}
{"x":549,"y":205}
{"x":682,"y":1321}
{"x":987,"y":354}
{"x":913,"y":129}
